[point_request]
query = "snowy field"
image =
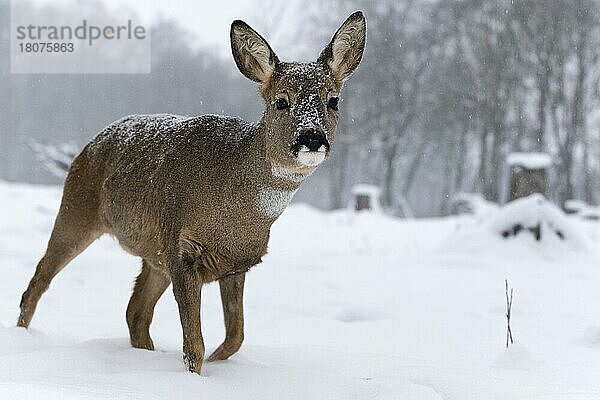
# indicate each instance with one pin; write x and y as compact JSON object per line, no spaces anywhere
{"x":344,"y":307}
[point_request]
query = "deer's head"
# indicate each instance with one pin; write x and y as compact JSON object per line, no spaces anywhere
{"x":301,"y":99}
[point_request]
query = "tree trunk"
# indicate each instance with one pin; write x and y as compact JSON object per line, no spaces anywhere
{"x":483,"y":161}
{"x":413,"y":168}
{"x":517,"y":144}
{"x":461,"y":160}
{"x":543,"y":87}
{"x":337,"y":177}
{"x":389,"y":175}
{"x":496,"y":161}
{"x":578,"y":125}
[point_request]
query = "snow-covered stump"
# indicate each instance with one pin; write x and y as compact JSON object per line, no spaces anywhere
{"x":365,"y":198}
{"x":574,"y":206}
{"x":534,"y":215}
{"x":590,"y":213}
{"x":582,"y":210}
{"x":528,"y":174}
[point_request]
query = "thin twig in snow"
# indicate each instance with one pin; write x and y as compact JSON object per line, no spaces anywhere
{"x":509,"y":300}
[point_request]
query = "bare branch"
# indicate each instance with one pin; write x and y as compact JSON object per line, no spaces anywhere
{"x":509,"y":300}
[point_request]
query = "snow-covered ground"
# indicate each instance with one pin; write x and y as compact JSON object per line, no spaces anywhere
{"x":344,"y":307}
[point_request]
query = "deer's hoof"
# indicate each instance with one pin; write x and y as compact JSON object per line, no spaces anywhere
{"x":145,"y":343}
{"x":224,"y":351}
{"x":192,"y":362}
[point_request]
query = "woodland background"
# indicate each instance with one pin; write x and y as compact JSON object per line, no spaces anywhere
{"x":446,"y":91}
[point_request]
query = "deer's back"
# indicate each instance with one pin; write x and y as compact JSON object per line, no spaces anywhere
{"x":159,"y":174}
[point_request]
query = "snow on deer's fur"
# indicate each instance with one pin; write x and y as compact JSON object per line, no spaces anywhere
{"x":195,"y":197}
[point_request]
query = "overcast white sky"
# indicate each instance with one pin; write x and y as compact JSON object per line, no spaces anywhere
{"x":209,"y":20}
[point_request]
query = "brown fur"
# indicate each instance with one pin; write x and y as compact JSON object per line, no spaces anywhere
{"x":195,"y":198}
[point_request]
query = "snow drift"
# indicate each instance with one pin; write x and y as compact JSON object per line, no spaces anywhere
{"x":345,"y":306}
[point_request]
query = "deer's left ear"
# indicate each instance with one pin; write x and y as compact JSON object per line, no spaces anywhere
{"x":343,"y":54}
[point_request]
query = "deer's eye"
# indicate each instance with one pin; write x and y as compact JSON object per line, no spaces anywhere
{"x":333,"y":103}
{"x":281,"y":103}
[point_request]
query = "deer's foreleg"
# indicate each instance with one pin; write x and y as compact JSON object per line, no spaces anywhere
{"x":187,"y":285}
{"x":232,"y":292}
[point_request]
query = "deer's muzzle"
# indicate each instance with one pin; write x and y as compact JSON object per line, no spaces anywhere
{"x":310,"y":140}
{"x":310,"y":147}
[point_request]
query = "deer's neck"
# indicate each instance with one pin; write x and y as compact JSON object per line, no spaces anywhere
{"x":277,"y":182}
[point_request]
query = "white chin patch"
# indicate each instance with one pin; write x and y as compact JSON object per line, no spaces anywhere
{"x":311,"y":158}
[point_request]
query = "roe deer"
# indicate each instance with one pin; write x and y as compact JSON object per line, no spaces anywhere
{"x":195,"y":197}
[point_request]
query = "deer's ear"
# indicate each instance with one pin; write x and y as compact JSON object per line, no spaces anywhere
{"x":251,"y":52}
{"x":344,"y":52}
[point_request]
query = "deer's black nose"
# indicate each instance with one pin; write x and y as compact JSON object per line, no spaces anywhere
{"x":312,"y":139}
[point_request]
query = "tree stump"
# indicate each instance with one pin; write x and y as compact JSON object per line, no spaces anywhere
{"x":573,"y":206}
{"x":528,"y":174}
{"x":365,"y":198}
{"x":363,"y":202}
{"x":533,"y":215}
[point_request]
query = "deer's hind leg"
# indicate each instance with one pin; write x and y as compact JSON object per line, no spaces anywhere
{"x":74,"y":230}
{"x":149,"y":286}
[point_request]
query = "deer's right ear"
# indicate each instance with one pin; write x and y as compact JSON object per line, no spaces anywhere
{"x":251,"y":52}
